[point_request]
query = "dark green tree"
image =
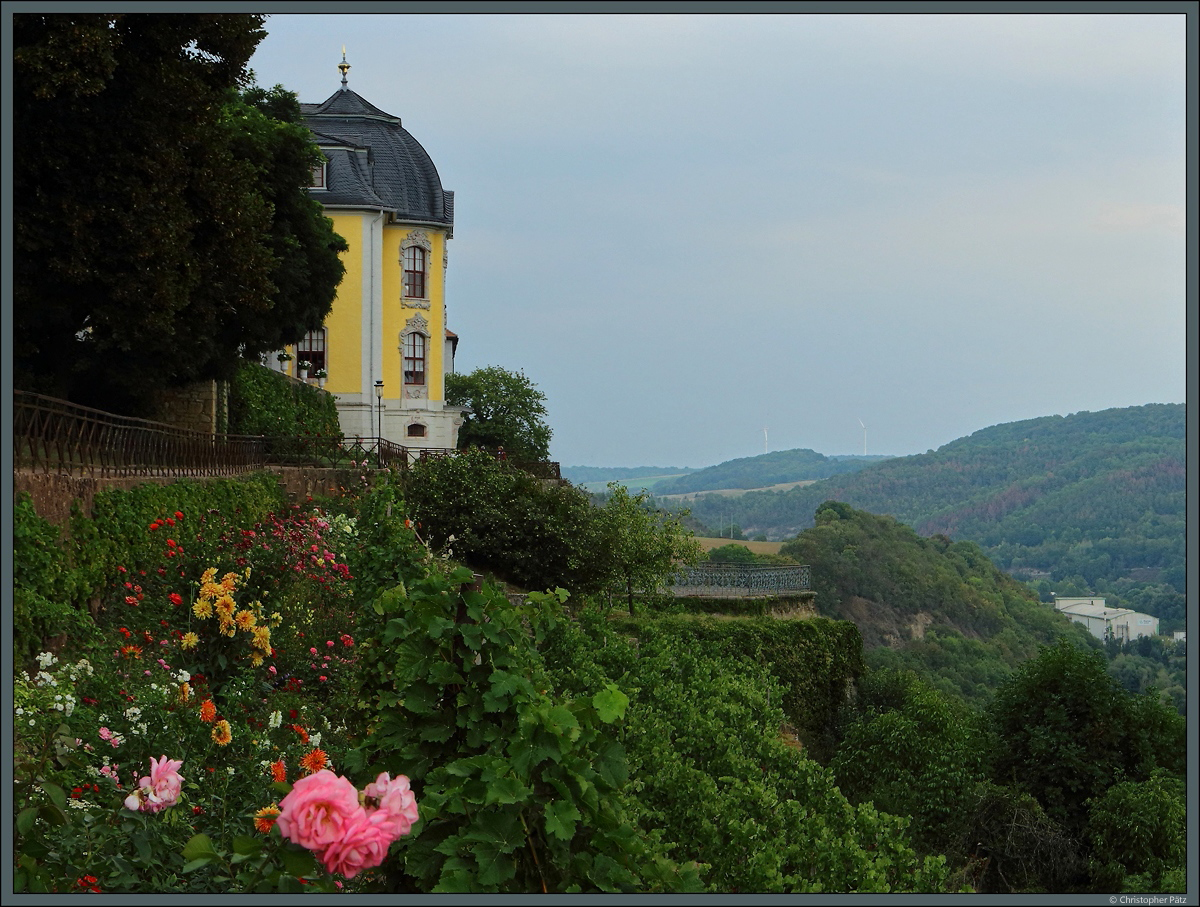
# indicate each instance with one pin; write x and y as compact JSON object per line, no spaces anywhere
{"x":160,"y":227}
{"x":506,"y":410}
{"x":912,"y":752}
{"x":1067,"y":732}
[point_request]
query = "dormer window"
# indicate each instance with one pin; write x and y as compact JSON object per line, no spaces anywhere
{"x":415,"y":259}
{"x":317,"y":180}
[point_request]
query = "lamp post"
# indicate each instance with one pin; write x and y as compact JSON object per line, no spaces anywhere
{"x":379,"y":405}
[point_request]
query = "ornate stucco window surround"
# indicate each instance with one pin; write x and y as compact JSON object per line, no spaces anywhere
{"x":415,"y":252}
{"x":414,"y":353}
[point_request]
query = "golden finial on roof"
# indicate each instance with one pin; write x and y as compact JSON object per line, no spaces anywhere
{"x":344,"y":67}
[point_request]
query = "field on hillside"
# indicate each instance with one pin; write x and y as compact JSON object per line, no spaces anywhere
{"x":734,"y":492}
{"x":708,"y":544}
{"x":634,"y":485}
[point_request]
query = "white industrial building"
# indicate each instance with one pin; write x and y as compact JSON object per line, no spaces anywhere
{"x":1102,"y":621}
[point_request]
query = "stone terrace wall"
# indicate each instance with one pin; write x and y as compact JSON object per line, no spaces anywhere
{"x":202,"y":406}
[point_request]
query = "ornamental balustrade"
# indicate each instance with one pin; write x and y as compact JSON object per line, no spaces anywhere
{"x":737,"y":580}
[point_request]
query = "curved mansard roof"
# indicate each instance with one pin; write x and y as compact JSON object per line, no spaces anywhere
{"x":375,"y":163}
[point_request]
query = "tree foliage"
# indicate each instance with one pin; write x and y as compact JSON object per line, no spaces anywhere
{"x":643,"y":547}
{"x":912,"y":752}
{"x":499,"y":519}
{"x":161,"y":227}
{"x":1070,"y":732}
{"x":506,"y":410}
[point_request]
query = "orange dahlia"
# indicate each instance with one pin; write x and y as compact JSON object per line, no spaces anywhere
{"x":315,"y":761}
{"x":221,"y":733}
{"x":265,"y":818}
{"x":208,"y":711}
{"x":278,"y":770}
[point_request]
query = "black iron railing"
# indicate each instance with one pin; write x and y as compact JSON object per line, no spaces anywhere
{"x":55,"y":436}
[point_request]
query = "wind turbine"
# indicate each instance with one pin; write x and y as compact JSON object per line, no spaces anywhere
{"x":864,"y":428}
{"x":764,"y":439}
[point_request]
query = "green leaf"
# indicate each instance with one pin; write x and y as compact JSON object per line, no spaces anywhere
{"x":51,"y":813}
{"x":297,"y":861}
{"x":610,"y":704}
{"x":247,"y":846}
{"x":561,"y":816}
{"x":495,"y":864}
{"x":193,"y":865}
{"x":57,"y":795}
{"x":200,"y":847}
{"x":25,"y":819}
{"x":506,"y":790}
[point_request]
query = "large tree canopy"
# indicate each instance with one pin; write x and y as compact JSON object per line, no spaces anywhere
{"x":506,"y":410}
{"x":161,"y":224}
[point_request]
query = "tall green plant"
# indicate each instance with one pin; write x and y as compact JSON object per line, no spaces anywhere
{"x":521,"y":790}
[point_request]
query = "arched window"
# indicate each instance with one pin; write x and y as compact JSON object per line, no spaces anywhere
{"x":416,"y":431}
{"x":414,"y":358}
{"x":415,"y":260}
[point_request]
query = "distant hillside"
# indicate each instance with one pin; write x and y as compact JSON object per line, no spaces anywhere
{"x":765,"y":469}
{"x":590,"y":474}
{"x":938,"y":607}
{"x":1093,"y":501}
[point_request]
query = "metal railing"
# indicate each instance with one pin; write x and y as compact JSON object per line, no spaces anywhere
{"x":736,"y":579}
{"x":55,"y":436}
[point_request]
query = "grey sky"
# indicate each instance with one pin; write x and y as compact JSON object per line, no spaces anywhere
{"x":687,"y":228}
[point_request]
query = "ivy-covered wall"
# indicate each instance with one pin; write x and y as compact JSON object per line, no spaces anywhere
{"x":264,"y":402}
{"x":58,"y":572}
{"x":815,"y":660}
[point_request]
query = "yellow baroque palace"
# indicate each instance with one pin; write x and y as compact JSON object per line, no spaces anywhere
{"x":385,"y":348}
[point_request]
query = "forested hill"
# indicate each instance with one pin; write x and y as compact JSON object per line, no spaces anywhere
{"x":938,"y":607}
{"x":763,"y":470}
{"x":1097,"y":499}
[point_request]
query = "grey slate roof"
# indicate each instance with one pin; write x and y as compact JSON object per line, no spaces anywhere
{"x":374,"y":162}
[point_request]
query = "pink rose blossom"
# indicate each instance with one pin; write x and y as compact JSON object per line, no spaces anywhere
{"x":318,"y":810}
{"x":329,"y":642}
{"x":396,"y":802}
{"x":158,"y":790}
{"x":363,"y":844}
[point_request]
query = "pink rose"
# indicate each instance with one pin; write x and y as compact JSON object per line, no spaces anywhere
{"x":363,"y":844}
{"x":397,"y":804}
{"x":318,"y":810}
{"x":164,"y":782}
{"x":158,"y":790}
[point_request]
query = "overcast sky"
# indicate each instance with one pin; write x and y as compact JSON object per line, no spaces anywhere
{"x":685,"y":229}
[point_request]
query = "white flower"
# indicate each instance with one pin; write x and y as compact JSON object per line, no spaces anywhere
{"x":276,"y":720}
{"x":315,"y":739}
{"x":20,"y":711}
{"x":45,"y":659}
